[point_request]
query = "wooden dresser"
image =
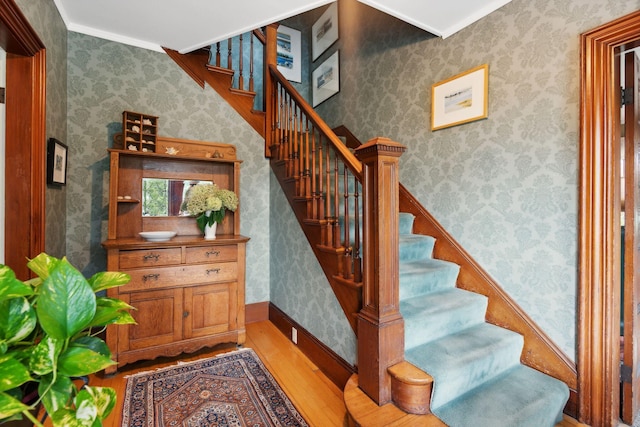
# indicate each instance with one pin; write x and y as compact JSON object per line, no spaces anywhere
{"x":187,"y":292}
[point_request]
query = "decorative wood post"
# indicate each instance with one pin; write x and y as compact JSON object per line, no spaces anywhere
{"x":380,"y":324}
{"x":270,"y":58}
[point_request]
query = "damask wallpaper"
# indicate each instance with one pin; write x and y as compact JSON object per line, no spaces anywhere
{"x":505,"y":187}
{"x":106,"y":78}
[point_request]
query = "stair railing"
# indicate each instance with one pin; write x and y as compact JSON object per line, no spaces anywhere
{"x":328,"y":180}
{"x":327,"y":175}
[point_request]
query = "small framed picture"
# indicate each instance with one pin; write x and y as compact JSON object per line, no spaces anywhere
{"x":324,"y":31}
{"x":288,"y":54}
{"x":460,"y":99}
{"x":56,"y":162}
{"x":326,"y":79}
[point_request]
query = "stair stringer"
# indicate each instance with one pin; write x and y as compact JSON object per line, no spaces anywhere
{"x":195,"y":64}
{"x":539,"y":351}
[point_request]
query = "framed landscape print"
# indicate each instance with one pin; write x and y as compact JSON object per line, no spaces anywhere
{"x":288,"y":53}
{"x":324,"y":31}
{"x":326,"y":79}
{"x":460,"y":99}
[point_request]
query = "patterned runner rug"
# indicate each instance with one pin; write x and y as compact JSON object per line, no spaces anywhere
{"x":233,"y":389}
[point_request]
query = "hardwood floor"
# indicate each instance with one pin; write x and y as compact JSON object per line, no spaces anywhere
{"x":318,"y":400}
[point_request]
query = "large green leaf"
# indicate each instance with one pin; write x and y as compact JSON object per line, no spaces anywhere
{"x":10,"y":286}
{"x":57,"y":395}
{"x":80,"y":361}
{"x":86,"y":409}
{"x":66,"y":303}
{"x":10,"y":406}
{"x":92,"y":343}
{"x":67,"y":418}
{"x":43,"y":358}
{"x":43,"y":265}
{"x":12,"y":373}
{"x":104,"y":398}
{"x":108,"y":279}
{"x":17,"y":319}
{"x":110,"y":311}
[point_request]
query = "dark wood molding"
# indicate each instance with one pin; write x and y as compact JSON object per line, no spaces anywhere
{"x":25,"y":138}
{"x":599,"y":223}
{"x":16,"y":34}
{"x":256,"y":312}
{"x":332,"y":365}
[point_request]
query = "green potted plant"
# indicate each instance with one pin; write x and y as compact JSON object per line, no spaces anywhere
{"x":48,"y":328}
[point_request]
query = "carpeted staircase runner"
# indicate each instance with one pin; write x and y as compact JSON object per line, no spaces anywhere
{"x":479,"y":380}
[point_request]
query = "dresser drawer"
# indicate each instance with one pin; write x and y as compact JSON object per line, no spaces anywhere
{"x":196,"y":255}
{"x":149,"y":258}
{"x":156,"y":278}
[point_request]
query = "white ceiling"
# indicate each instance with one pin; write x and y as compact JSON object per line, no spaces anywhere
{"x":187,"y":25}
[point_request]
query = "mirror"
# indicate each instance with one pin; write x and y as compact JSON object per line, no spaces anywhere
{"x":163,"y":197}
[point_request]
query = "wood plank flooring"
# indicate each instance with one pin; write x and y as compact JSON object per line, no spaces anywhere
{"x":318,"y":400}
{"x":313,"y":394}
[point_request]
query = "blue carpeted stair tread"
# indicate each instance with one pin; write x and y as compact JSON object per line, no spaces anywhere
{"x":425,"y":276}
{"x":405,"y":221}
{"x":434,"y":315}
{"x":462,"y":361}
{"x":415,"y":247}
{"x":521,"y":397}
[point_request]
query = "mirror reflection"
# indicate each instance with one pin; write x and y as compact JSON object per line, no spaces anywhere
{"x":164,"y":197}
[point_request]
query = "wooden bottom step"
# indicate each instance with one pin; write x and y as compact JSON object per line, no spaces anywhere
{"x":364,"y":412}
{"x":411,"y":388}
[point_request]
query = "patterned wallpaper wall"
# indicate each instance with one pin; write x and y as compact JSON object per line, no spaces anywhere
{"x":46,"y":21}
{"x":106,"y":78}
{"x":505,"y":187}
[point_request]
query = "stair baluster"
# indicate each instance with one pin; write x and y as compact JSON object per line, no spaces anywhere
{"x":240,"y":65}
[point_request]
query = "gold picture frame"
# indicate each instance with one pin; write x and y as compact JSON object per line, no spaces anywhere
{"x":460,"y":99}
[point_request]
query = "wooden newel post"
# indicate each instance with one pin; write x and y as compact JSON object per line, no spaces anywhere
{"x":380,"y":324}
{"x":270,"y":58}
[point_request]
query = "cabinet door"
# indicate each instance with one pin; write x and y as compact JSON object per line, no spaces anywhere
{"x":210,"y":309}
{"x":159,"y":319}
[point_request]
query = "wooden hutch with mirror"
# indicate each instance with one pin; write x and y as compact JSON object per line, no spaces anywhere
{"x":187,"y":292}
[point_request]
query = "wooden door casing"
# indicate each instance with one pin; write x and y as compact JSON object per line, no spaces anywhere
{"x":631,"y":286}
{"x":599,"y":224}
{"x":25,"y":153}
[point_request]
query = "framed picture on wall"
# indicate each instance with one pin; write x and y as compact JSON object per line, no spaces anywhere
{"x":326,"y":79}
{"x":288,"y":53}
{"x":460,"y":99}
{"x":56,"y":162}
{"x":324,"y":31}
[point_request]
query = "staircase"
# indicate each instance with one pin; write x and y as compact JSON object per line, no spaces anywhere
{"x":478,"y":377}
{"x":441,"y":354}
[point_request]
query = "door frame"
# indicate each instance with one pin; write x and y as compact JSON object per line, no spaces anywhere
{"x":599,"y":223}
{"x":25,"y":150}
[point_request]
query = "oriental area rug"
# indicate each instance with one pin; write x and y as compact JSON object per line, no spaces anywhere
{"x":231,"y":390}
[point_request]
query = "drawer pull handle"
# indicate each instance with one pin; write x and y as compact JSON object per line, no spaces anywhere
{"x":151,"y":256}
{"x":150,"y":276}
{"x":214,"y":253}
{"x":213,"y":270}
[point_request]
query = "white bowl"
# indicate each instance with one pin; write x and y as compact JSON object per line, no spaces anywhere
{"x":157,"y":236}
